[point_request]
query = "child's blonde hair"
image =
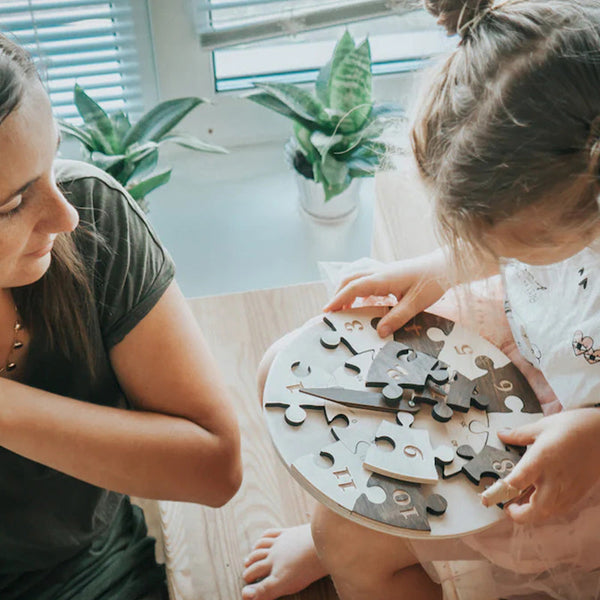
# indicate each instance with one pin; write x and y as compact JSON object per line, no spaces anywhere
{"x":512,"y":118}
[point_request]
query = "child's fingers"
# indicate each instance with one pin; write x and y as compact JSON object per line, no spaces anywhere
{"x":398,"y":316}
{"x":352,"y":277}
{"x":363,"y":287}
{"x":521,"y":436}
{"x":525,"y":474}
{"x":524,"y":510}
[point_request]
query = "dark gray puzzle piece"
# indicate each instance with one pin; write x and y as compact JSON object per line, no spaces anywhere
{"x":405,"y":505}
{"x":490,"y":462}
{"x":414,"y":333}
{"x":500,"y":383}
{"x":462,"y":394}
{"x":399,"y":366}
{"x":436,"y":396}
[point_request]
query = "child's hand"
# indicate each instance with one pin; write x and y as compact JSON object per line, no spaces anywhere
{"x":417,"y":283}
{"x":561,"y":464}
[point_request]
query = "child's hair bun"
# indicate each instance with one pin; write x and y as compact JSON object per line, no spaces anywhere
{"x":457,"y":16}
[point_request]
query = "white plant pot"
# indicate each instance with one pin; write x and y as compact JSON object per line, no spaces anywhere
{"x":340,"y":208}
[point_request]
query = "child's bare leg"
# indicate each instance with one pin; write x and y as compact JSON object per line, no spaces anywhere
{"x":366,"y":564}
{"x":273,"y":350}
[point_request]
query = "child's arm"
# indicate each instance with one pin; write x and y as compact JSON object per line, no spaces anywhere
{"x":561,"y":464}
{"x":417,"y":283}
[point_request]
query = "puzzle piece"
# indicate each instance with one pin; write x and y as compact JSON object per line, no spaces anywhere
{"x":292,"y":400}
{"x":412,"y":458}
{"x":459,"y":394}
{"x":509,"y":420}
{"x":499,"y":383}
{"x":397,"y":366}
{"x":461,"y":347}
{"x":462,"y":394}
{"x":344,"y":480}
{"x":436,"y":396}
{"x":354,"y":372}
{"x":414,"y":333}
{"x":353,"y":328}
{"x":490,"y":462}
{"x":361,"y":426}
{"x":405,"y":504}
{"x":470,"y":428}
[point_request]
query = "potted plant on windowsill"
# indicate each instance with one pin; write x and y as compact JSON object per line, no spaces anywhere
{"x":337,"y":130}
{"x":129,"y":152}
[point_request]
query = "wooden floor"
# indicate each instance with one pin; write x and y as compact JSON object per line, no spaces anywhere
{"x":205,"y":547}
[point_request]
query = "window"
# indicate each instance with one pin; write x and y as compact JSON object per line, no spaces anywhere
{"x":85,"y":41}
{"x":277,"y":40}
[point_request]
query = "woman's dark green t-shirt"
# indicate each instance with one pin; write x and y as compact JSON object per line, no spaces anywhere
{"x":48,"y":517}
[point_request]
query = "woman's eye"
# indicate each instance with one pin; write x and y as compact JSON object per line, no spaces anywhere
{"x":12,"y":206}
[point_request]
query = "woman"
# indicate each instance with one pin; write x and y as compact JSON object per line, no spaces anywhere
{"x":92,"y":323}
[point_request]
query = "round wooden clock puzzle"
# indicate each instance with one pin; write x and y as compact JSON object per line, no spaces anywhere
{"x":398,"y":434}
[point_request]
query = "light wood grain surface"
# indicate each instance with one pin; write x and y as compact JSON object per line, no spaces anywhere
{"x":403,"y":217}
{"x":205,"y":547}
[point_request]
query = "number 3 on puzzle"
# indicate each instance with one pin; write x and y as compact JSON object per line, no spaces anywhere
{"x":351,"y":326}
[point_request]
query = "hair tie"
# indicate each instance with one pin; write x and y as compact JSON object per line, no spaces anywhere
{"x":459,"y":16}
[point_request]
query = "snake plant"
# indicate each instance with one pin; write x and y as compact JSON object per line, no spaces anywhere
{"x":129,"y":152}
{"x":337,"y":128}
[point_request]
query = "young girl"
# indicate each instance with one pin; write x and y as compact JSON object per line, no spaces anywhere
{"x":106,"y":386}
{"x":508,"y":142}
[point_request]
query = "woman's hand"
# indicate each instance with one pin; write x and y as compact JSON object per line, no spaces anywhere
{"x":561,"y":464}
{"x":417,"y":283}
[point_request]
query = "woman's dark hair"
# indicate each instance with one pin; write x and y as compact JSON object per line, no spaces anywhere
{"x":57,"y":307}
{"x":511,"y":120}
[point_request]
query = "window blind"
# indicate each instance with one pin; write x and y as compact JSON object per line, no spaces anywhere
{"x":223,"y":23}
{"x":90,"y":42}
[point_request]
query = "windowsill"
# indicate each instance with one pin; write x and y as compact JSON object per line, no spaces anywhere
{"x":232,"y":223}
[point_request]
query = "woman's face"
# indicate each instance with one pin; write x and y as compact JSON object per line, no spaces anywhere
{"x":32,"y":209}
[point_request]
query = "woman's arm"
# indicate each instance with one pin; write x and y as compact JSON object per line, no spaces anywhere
{"x":181,"y":444}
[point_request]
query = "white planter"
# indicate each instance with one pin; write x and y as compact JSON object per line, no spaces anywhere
{"x":340,"y":208}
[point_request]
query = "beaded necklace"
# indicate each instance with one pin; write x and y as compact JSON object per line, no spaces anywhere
{"x":11,"y":365}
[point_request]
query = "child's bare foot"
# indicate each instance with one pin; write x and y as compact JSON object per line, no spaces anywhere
{"x":284,"y":560}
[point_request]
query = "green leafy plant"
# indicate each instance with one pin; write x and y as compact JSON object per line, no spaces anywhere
{"x":337,"y":129}
{"x":129,"y":152}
